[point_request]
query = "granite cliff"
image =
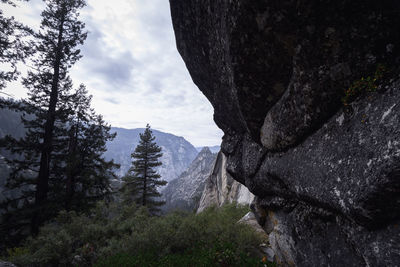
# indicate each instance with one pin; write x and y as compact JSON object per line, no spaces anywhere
{"x":325,"y":172}
{"x":220,"y":188}
{"x":185,"y":191}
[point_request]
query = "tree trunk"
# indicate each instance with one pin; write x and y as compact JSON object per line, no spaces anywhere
{"x":144,"y":184}
{"x":145,"y":180}
{"x":42,"y":186}
{"x":71,"y":169}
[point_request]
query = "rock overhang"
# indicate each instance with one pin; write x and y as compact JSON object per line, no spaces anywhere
{"x":275,"y":72}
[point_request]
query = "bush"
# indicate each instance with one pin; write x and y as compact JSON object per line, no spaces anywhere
{"x":364,"y":85}
{"x":195,"y":257}
{"x":118,"y":235}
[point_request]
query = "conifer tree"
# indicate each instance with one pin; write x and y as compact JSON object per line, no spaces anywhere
{"x":79,"y":174}
{"x":43,"y":149}
{"x":142,"y":181}
{"x":57,"y":51}
{"x":25,"y":165}
{"x":87,"y":173}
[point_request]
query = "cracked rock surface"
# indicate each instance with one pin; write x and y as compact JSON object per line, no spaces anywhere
{"x":326,"y":177}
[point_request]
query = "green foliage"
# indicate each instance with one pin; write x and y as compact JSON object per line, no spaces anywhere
{"x":364,"y":85}
{"x":58,"y":164}
{"x":79,"y":175}
{"x":222,"y":256}
{"x":17,"y":252}
{"x":118,"y":235}
{"x":86,"y":174}
{"x":38,"y":165}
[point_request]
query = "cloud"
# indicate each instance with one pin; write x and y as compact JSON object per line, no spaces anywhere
{"x":117,"y":69}
{"x":111,"y":100}
{"x":111,"y":65}
{"x":132,"y":68}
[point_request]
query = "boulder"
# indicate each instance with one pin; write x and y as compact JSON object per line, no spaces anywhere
{"x":6,"y":264}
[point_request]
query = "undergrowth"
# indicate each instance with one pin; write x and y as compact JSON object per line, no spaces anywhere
{"x":118,"y":235}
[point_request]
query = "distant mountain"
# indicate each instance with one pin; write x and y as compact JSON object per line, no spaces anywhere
{"x":213,"y":149}
{"x":10,"y":123}
{"x":185,"y":191}
{"x":177,"y":152}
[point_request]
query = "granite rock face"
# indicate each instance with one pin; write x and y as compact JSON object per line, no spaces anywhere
{"x":220,"y":188}
{"x":326,"y":176}
{"x":185,"y":191}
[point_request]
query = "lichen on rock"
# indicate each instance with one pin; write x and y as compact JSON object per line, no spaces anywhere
{"x":327,"y":176}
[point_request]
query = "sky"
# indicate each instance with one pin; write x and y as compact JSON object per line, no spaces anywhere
{"x":133,"y":70}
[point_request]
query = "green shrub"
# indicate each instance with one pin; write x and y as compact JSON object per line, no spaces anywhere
{"x":194,"y":257}
{"x":128,"y":235}
{"x":364,"y":85}
{"x":17,"y":252}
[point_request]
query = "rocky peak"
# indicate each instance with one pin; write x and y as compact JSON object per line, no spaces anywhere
{"x":204,"y":152}
{"x":185,"y":191}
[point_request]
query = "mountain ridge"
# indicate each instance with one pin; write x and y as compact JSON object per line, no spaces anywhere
{"x":213,"y":149}
{"x":178,"y":153}
{"x":185,"y":191}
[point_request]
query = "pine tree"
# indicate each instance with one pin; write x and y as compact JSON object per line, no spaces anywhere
{"x":79,"y":174}
{"x":57,"y":51}
{"x":25,"y":164}
{"x":43,"y":149}
{"x":87,"y":173}
{"x":142,"y":181}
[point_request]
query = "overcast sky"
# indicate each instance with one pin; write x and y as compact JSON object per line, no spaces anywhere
{"x":132,"y":68}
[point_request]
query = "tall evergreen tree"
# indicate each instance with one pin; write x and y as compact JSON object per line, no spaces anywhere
{"x":79,"y":174}
{"x":87,"y":173}
{"x":61,"y":33}
{"x":142,"y":181}
{"x":49,"y":86}
{"x":22,"y":182}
